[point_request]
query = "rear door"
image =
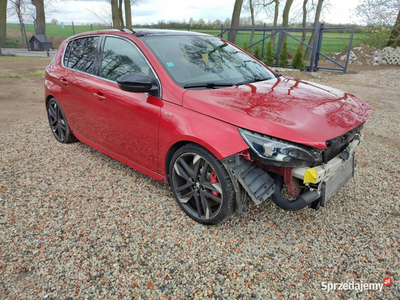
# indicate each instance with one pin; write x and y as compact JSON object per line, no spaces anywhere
{"x":127,"y":123}
{"x":76,"y":94}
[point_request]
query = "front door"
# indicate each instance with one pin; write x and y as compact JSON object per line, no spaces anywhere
{"x":127,"y":123}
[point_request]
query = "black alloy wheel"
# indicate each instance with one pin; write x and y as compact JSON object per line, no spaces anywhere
{"x":201,"y":185}
{"x":58,"y":123}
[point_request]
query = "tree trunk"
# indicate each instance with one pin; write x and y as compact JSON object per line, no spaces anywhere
{"x":304,"y":23}
{"x":115,"y":14}
{"x":276,"y":15}
{"x":394,"y":39}
{"x":316,"y":20}
{"x":3,"y":22}
{"x":235,"y":20}
{"x":128,"y":14}
{"x":285,"y":17}
{"x":253,"y":24}
{"x":21,"y":19}
{"x":40,"y":16}
{"x":121,"y":16}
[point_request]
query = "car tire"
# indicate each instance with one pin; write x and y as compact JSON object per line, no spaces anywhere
{"x":58,"y":122}
{"x":201,"y":185}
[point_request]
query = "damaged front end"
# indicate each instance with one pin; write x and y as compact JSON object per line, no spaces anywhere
{"x":311,"y":176}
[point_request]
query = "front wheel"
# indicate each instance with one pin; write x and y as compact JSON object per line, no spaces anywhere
{"x":201,"y":185}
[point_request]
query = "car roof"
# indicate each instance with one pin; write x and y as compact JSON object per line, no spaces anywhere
{"x":140,"y":32}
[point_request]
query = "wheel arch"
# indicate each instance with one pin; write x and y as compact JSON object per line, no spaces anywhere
{"x":184,"y":142}
{"x":48,"y":99}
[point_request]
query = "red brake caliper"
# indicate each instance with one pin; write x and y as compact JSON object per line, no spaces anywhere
{"x":214,"y":179}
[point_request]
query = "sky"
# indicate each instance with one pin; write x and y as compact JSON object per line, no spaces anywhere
{"x":152,"y":11}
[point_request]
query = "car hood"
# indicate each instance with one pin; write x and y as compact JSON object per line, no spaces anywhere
{"x":286,"y":108}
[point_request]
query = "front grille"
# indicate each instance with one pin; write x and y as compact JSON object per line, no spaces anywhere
{"x":338,"y":144}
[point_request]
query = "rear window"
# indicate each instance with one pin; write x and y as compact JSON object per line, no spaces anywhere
{"x":80,"y":54}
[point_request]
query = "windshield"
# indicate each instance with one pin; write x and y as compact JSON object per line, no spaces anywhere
{"x":196,"y":61}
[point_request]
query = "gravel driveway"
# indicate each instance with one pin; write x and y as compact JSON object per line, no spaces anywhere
{"x":76,"y":224}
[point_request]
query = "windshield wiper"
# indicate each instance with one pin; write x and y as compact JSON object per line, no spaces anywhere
{"x":256,"y":79}
{"x":208,"y":85}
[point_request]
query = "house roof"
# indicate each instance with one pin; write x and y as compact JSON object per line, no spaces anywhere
{"x":40,"y":37}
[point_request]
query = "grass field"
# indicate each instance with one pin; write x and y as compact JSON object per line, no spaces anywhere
{"x":332,"y":42}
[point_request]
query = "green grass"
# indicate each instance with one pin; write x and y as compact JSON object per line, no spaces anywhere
{"x":13,"y":76}
{"x":37,"y":73}
{"x":332,"y":42}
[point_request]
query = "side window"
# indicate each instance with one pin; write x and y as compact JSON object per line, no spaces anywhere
{"x":67,"y":52}
{"x":82,"y":54}
{"x":119,"y":58}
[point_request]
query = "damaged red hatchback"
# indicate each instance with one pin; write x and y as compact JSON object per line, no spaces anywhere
{"x":199,"y":112}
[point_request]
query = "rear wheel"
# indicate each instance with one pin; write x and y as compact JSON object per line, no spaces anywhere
{"x":58,"y":123}
{"x":201,"y":185}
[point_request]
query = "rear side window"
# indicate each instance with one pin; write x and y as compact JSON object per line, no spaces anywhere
{"x":121,"y":57}
{"x":81,"y":54}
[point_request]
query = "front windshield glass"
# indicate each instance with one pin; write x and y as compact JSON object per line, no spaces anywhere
{"x":196,"y":60}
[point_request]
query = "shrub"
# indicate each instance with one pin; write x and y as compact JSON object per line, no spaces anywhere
{"x":257,"y":52}
{"x":298,"y":62}
{"x":283,"y":56}
{"x":269,"y":55}
{"x":245,"y":47}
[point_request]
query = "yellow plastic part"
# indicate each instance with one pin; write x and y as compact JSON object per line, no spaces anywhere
{"x":310,"y":176}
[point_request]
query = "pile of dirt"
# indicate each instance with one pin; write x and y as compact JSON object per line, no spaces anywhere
{"x":363,"y":54}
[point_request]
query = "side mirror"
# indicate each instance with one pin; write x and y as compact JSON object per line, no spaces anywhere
{"x":135,"y":82}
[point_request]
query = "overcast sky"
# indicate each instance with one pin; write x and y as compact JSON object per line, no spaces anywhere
{"x":152,"y":11}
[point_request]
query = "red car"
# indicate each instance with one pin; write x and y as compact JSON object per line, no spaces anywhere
{"x":206,"y":116}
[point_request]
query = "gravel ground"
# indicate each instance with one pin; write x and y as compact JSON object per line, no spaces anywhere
{"x":76,"y":224}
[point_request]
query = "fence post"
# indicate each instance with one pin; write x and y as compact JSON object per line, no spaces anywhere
{"x":26,"y":39}
{"x":312,"y":60}
{"x":188,"y":27}
{"x":34,"y":25}
{"x":91,"y":27}
{"x":263,"y":44}
{"x":45,"y":39}
{"x":73,"y":29}
{"x":279,"y":47}
{"x":348,"y":51}
{"x":222,"y":30}
{"x":321,"y":33}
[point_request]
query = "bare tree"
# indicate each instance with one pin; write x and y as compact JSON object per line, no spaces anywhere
{"x":378,"y":12}
{"x":3,"y":21}
{"x":40,"y":18}
{"x":18,"y":7}
{"x":394,"y":39}
{"x":235,"y":20}
{"x":128,"y":14}
{"x":316,"y":20}
{"x":115,"y":14}
{"x":304,"y":23}
{"x":285,"y":17}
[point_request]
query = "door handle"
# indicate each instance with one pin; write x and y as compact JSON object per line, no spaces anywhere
{"x":64,"y":81}
{"x":100,"y":96}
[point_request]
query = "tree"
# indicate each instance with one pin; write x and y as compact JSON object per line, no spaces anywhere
{"x":252,"y":24}
{"x":3,"y":21}
{"x":235,"y":20}
{"x":285,"y":17}
{"x":54,"y":22}
{"x":19,"y":7}
{"x":298,"y":62}
{"x":115,"y":14}
{"x":269,"y":55}
{"x":394,"y":39}
{"x":304,"y":23}
{"x":257,"y":52}
{"x":40,"y":18}
{"x":128,"y":14}
{"x":316,"y":20}
{"x":283,"y":56}
{"x":378,"y":12}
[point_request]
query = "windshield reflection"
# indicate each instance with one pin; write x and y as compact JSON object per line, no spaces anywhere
{"x":197,"y":59}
